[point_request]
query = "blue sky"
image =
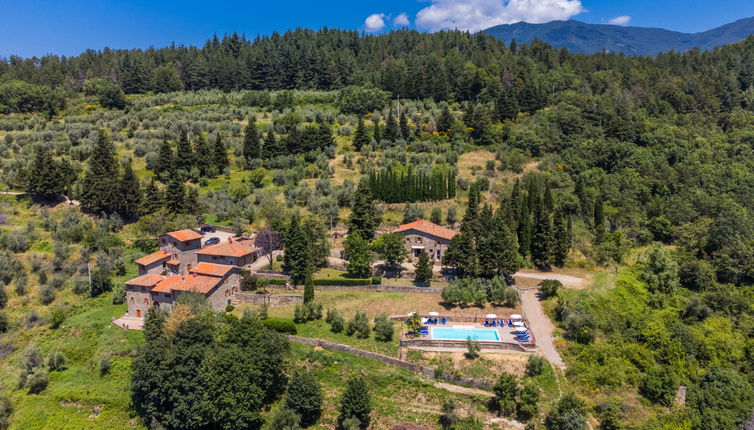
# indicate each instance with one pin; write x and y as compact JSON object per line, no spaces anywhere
{"x":30,"y":28}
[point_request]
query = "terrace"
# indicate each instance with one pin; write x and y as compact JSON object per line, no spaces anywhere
{"x":493,"y":333}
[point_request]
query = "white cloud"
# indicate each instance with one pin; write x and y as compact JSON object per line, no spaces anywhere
{"x":374,"y":22}
{"x":401,"y":20}
{"x":620,"y":20}
{"x":475,"y":15}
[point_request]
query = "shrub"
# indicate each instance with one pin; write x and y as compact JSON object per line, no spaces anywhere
{"x":337,"y":324}
{"x":37,"y":381}
{"x":449,"y":416}
{"x":472,"y":349}
{"x":535,"y":365}
{"x":356,"y":403}
{"x":6,"y":410}
{"x":528,"y":405}
{"x":56,"y":362}
{"x":383,"y":328}
{"x":358,"y":325}
{"x":57,"y":317}
{"x":569,"y":413}
{"x":506,"y":389}
{"x":280,"y":325}
{"x":659,"y":385}
{"x":3,"y":297}
{"x":229,"y":308}
{"x":46,"y":295}
{"x":307,"y":312}
{"x":3,"y":322}
{"x":119,"y":295}
{"x":32,"y":359}
{"x":549,"y":288}
{"x":285,"y":419}
{"x":105,"y":364}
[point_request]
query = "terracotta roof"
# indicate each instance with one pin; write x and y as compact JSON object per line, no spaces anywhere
{"x":193,"y":282}
{"x":231,"y":248}
{"x":210,"y":269}
{"x":428,"y":228}
{"x":184,"y":235}
{"x":152,"y":258}
{"x":174,"y":262}
{"x":148,"y":280}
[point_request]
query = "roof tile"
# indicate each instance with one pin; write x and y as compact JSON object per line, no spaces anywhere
{"x":427,"y":227}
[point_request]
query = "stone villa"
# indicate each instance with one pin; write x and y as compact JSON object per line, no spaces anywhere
{"x":424,"y":235}
{"x":182,"y":264}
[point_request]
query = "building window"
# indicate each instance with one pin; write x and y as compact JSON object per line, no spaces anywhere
{"x":146,"y":300}
{"x":162,"y":240}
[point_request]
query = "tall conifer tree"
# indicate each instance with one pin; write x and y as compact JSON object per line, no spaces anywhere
{"x":360,"y":137}
{"x":100,"y":191}
{"x":251,"y":147}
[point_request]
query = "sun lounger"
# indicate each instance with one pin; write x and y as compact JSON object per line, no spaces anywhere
{"x":486,"y":323}
{"x":442,"y":321}
{"x":510,"y":323}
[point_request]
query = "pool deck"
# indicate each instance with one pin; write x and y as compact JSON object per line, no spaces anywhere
{"x":506,"y":334}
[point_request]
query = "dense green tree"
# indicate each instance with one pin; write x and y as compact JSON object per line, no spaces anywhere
{"x":356,"y":402}
{"x":506,"y":391}
{"x":251,"y":142}
{"x":423,"y":273}
{"x":99,"y":188}
{"x":46,"y":177}
{"x":528,"y":404}
{"x":166,"y":159}
{"x":568,"y":414}
{"x":296,"y":258}
{"x":561,"y":238}
{"x":185,"y":158}
{"x":174,"y":198}
{"x":364,"y":218}
{"x":304,"y":396}
{"x":390,"y":248}
{"x":152,"y":201}
{"x":383,"y":328}
{"x":308,"y":289}
{"x":445,"y":120}
{"x":403,"y":125}
{"x":497,"y":249}
{"x":392,"y":131}
{"x":360,"y":136}
{"x":358,"y":254}
{"x":660,"y":270}
{"x":723,"y":399}
{"x":220,"y":154}
{"x":130,"y":192}
{"x":165,"y":79}
{"x":377,"y":131}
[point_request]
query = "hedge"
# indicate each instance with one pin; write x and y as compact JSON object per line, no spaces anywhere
{"x":280,"y":325}
{"x":323,"y":281}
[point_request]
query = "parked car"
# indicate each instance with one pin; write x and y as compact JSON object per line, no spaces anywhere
{"x":212,"y":241}
{"x":208,"y":229}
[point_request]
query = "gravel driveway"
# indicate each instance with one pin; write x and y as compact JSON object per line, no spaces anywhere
{"x":541,"y":326}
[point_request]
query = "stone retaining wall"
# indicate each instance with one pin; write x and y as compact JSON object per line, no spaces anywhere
{"x":497,"y":346}
{"x":366,"y":288}
{"x":268,"y":299}
{"x":420,"y":370}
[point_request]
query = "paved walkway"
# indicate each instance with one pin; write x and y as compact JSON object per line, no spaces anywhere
{"x":567,"y":280}
{"x":541,"y":326}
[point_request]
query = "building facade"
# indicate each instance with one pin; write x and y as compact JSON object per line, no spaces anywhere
{"x":427,"y":236}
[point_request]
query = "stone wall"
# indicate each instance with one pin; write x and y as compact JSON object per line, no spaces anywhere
{"x":268,"y":299}
{"x":497,"y":346}
{"x":420,"y":370}
{"x":369,"y":288}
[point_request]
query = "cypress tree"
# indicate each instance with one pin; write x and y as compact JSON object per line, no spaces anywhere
{"x":445,"y":120}
{"x":295,"y":258}
{"x":356,"y":402}
{"x":541,"y":236}
{"x":391,"y":129}
{"x":100,"y":191}
{"x":524,"y":228}
{"x":506,"y":104}
{"x":562,"y":238}
{"x":363,"y":219}
{"x":271,"y":147}
{"x":203,"y":155}
{"x":251,"y":147}
{"x":220,"y":155}
{"x":599,"y":220}
{"x":152,"y":201}
{"x":376,"y":132}
{"x":46,"y":178}
{"x":130,"y":192}
{"x":185,"y":158}
{"x":403,"y":123}
{"x":175,"y":195}
{"x":497,"y":249}
{"x":191,"y":201}
{"x":360,"y":137}
{"x":308,"y":289}
{"x":423,"y":268}
{"x":165,"y":159}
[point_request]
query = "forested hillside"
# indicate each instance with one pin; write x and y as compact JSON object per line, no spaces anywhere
{"x":639,"y":166}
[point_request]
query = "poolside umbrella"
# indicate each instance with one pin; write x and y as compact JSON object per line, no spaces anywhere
{"x":520,"y":330}
{"x":516,"y":316}
{"x":518,"y":324}
{"x":491,"y":316}
{"x":434,"y":314}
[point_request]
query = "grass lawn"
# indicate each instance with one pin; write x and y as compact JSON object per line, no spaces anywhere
{"x":397,"y":395}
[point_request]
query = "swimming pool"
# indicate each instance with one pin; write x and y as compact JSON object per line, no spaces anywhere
{"x":463,"y":333}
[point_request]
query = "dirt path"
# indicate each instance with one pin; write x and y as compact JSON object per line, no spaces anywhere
{"x":541,"y":326}
{"x":566,"y":280}
{"x":463,"y":390}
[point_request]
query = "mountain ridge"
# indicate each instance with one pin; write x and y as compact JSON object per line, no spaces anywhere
{"x":583,"y":38}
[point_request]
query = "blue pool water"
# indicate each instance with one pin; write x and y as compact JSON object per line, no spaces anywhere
{"x":463,"y":333}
